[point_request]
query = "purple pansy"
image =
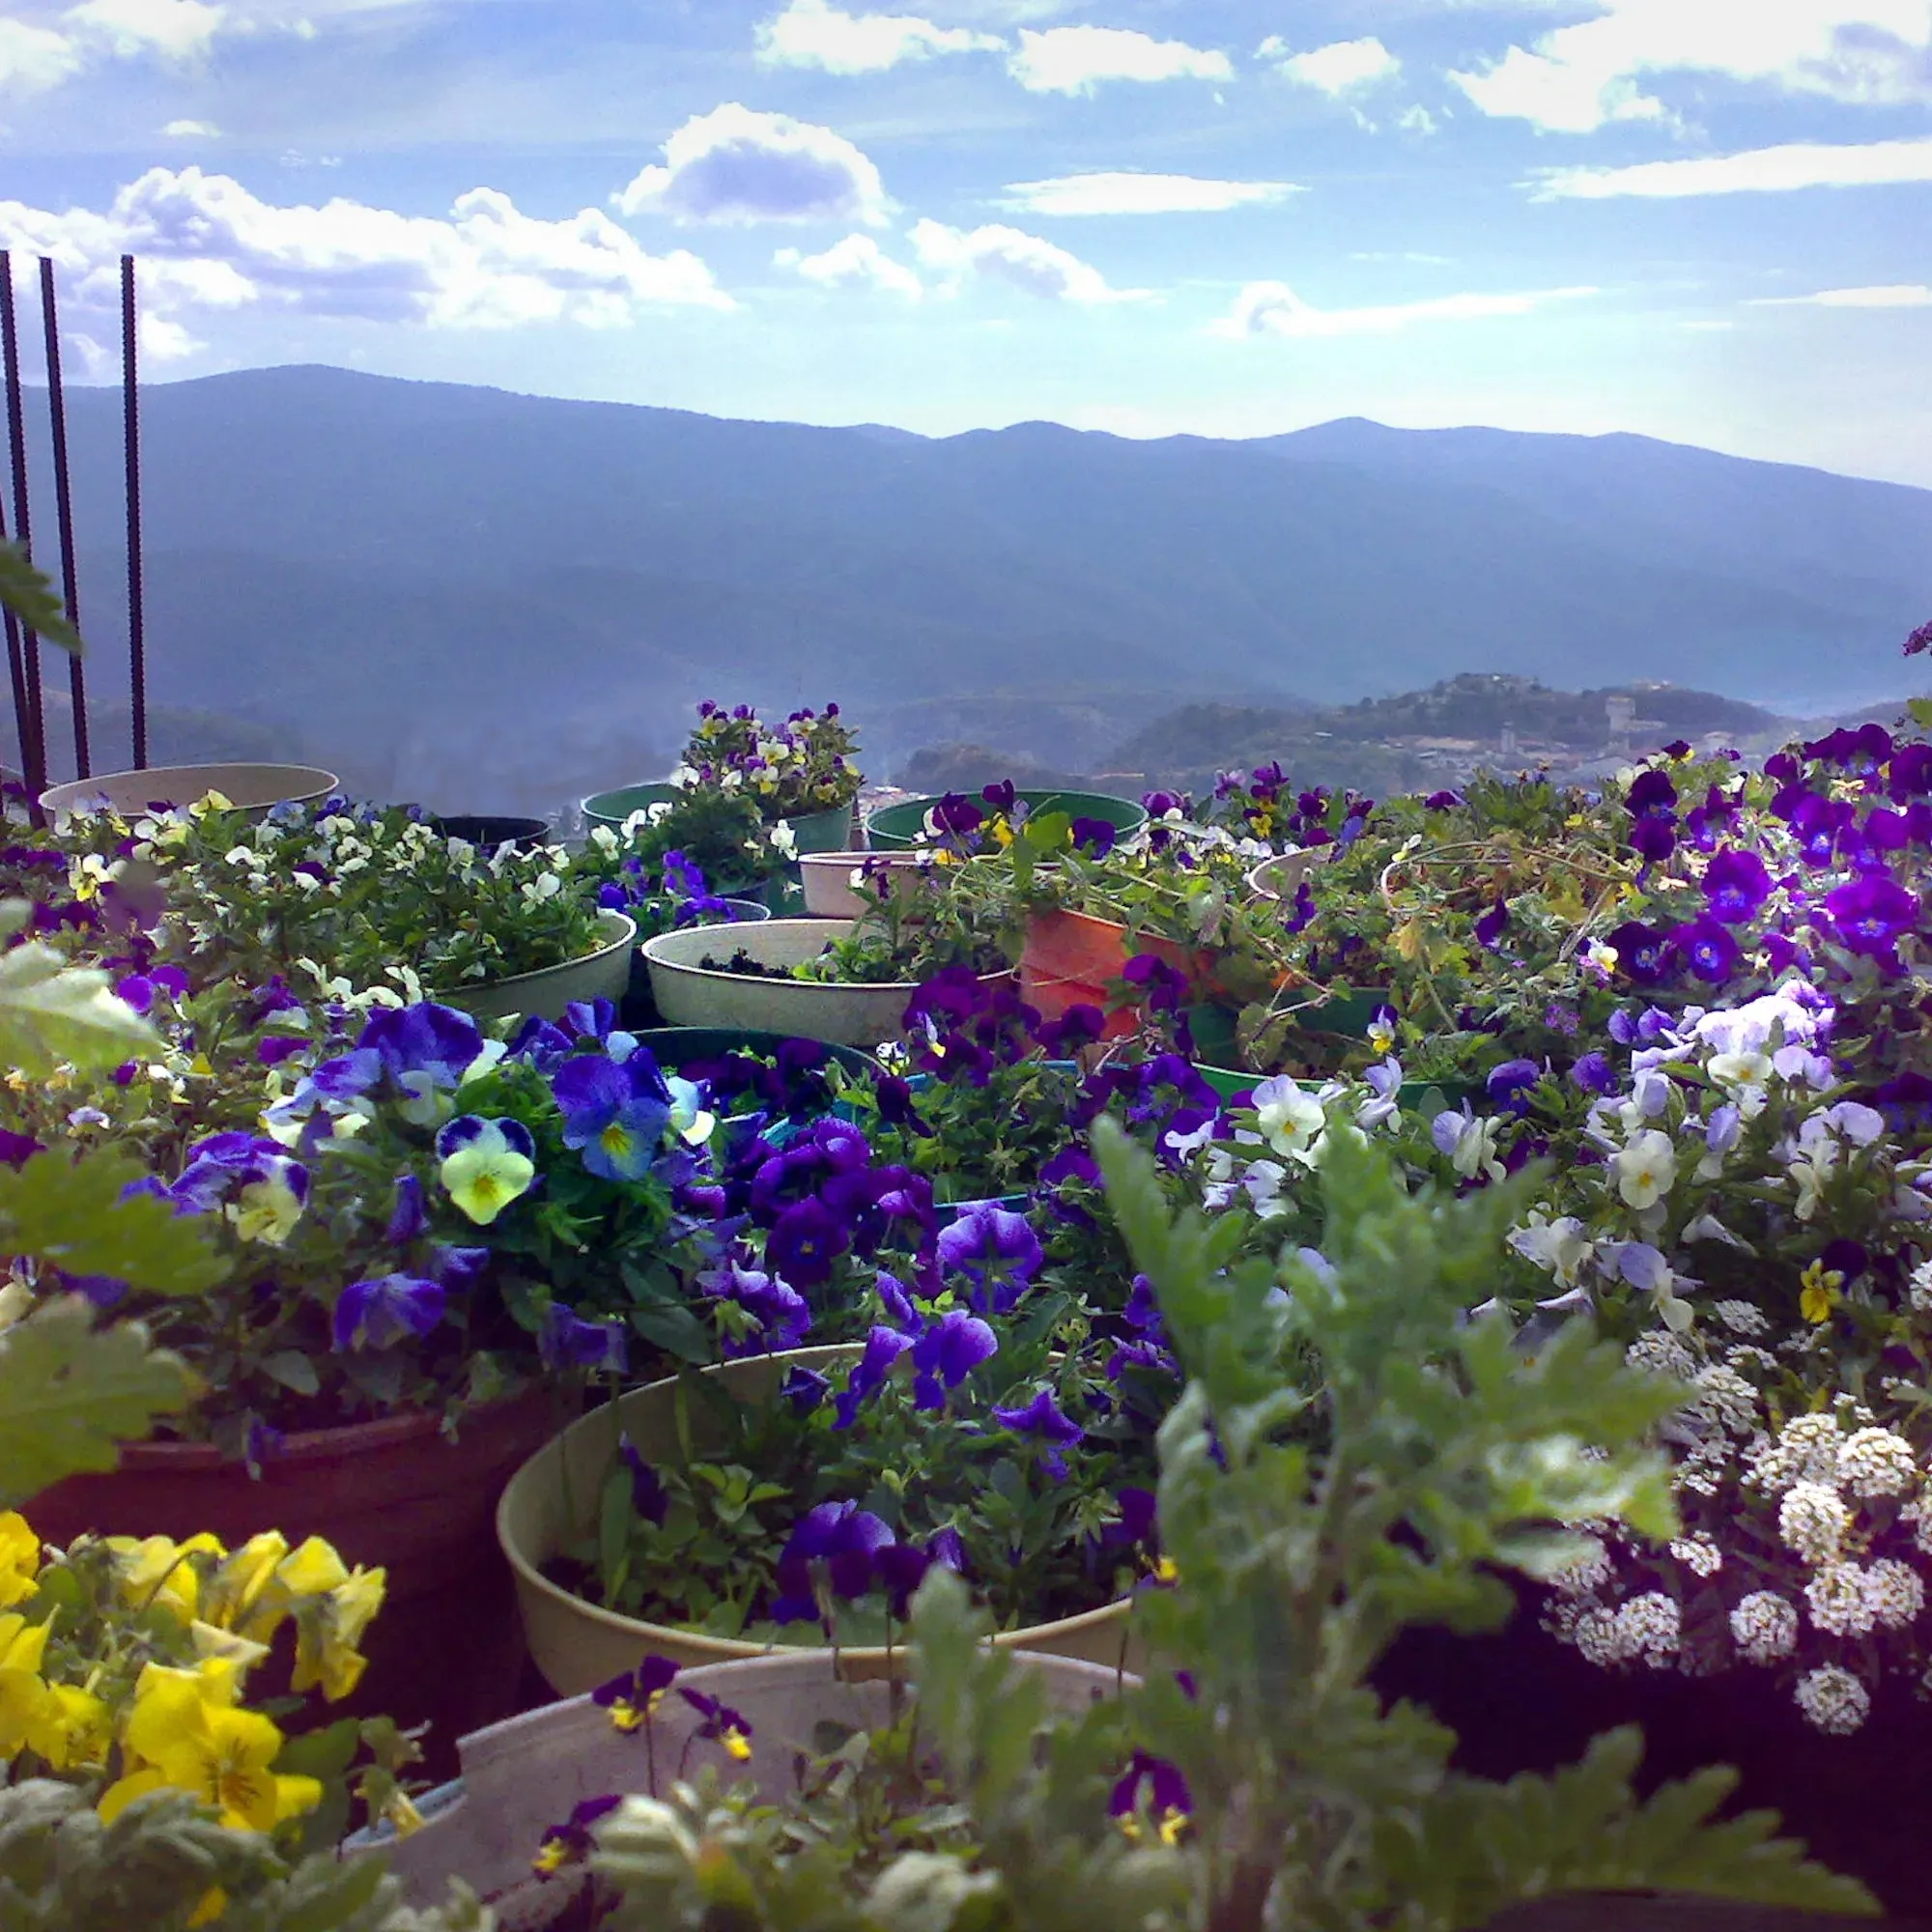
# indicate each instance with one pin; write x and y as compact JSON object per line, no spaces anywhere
{"x":566,"y":1341}
{"x":409,"y":1217}
{"x":996,"y":1250}
{"x":1708,"y":948}
{"x":614,"y":1112}
{"x":1155,"y":1785}
{"x":883,"y":1347}
{"x":1736,"y":885}
{"x":423,"y":1039}
{"x":841,"y":1537}
{"x":378,"y":1314}
{"x":949,"y":1349}
{"x":632,"y":1698}
{"x":1870,"y":913}
{"x":1043,"y":1421}
{"x":650,"y":1499}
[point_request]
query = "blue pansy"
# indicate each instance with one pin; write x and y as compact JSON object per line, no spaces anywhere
{"x":378,"y":1314}
{"x":615,"y":1114}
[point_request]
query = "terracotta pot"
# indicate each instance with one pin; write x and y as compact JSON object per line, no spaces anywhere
{"x":446,"y":1647}
{"x":1071,"y":956}
{"x":552,"y":1501}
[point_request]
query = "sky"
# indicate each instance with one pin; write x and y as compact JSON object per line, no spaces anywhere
{"x":1707,"y":220}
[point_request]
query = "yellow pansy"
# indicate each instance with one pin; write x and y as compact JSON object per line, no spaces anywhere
{"x":235,"y":1590}
{"x":1818,"y":1292}
{"x":25,"y":1701}
{"x":19,"y":1560}
{"x":312,"y":1570}
{"x":186,"y":1732}
{"x":484,"y":1169}
{"x":157,"y":1570}
{"x":328,"y":1637}
{"x":77,"y":1729}
{"x":212,"y":1641}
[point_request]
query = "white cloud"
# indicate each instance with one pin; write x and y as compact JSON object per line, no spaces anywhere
{"x":811,"y":33}
{"x":178,"y":29}
{"x":1139,"y":194}
{"x":192,"y":130}
{"x":1075,"y":60}
{"x":1010,"y":255}
{"x":1580,"y":76}
{"x":1339,"y":68}
{"x":205,"y":241}
{"x":1891,"y":294}
{"x":1416,"y":120}
{"x":1800,"y":164}
{"x":857,"y":259}
{"x":34,"y":58}
{"x":1273,"y":308}
{"x":736,"y":165}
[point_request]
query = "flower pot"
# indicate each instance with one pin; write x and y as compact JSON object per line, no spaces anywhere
{"x":826,"y":878}
{"x":602,"y":974}
{"x":899,"y":827}
{"x":614,"y":808}
{"x":251,"y":788}
{"x":395,"y":1492}
{"x":1070,"y":958}
{"x":678,"y":1047}
{"x":822,"y":831}
{"x":523,"y":1776}
{"x":690,"y":994}
{"x":552,"y":1503}
{"x":486,"y":832}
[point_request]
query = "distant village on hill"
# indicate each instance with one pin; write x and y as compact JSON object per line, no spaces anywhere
{"x":1420,"y":740}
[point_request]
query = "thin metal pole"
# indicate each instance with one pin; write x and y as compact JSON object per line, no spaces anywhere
{"x":76,"y":671}
{"x":137,"y":638}
{"x":17,"y":670}
{"x":35,"y":753}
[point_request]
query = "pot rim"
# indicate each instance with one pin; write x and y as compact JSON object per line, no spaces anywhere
{"x":605,"y":914}
{"x":74,"y":794}
{"x":731,"y":1649}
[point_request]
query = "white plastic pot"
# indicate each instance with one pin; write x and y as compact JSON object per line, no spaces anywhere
{"x":525,"y":1775}
{"x":247,"y":787}
{"x":551,"y":1504}
{"x":691,"y":994}
{"x":826,"y":878}
{"x":602,"y":974}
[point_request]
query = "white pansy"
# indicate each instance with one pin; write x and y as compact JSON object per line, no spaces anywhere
{"x":1291,"y":1118}
{"x":1560,"y":1247}
{"x":1646,"y":1169}
{"x":784,"y":841}
{"x":685,"y":777}
{"x":607,"y":840}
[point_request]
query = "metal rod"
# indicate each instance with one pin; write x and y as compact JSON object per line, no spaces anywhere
{"x":35,"y":753}
{"x":17,"y":670}
{"x":76,"y":670}
{"x":137,"y":640}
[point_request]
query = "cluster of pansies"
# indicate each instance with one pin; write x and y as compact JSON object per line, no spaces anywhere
{"x":125,"y":1667}
{"x":791,"y":770}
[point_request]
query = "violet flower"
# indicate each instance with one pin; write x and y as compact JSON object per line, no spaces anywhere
{"x":1708,"y":948}
{"x":378,"y":1314}
{"x":835,"y":1544}
{"x":949,"y":1351}
{"x":424,"y":1040}
{"x":1154,"y":1785}
{"x":883,"y":1347}
{"x":1736,"y":885}
{"x":998,"y":1253}
{"x":1871,"y":911}
{"x":650,"y":1499}
{"x":1043,"y":1421}
{"x":633,"y":1700}
{"x":409,"y":1217}
{"x":720,"y":1724}
{"x":614,"y":1113}
{"x":566,"y":1341}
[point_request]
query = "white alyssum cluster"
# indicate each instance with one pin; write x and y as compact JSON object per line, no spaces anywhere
{"x":1699,"y":1555}
{"x":1832,"y":1699}
{"x":1765,"y":1627}
{"x":1876,"y":1463}
{"x":1805,"y":1451}
{"x":1650,"y":1627}
{"x":1838,"y":1600}
{"x":1919,"y":1292}
{"x":1726,"y":1401}
{"x":1741,"y":1318}
{"x":1812,"y":1519}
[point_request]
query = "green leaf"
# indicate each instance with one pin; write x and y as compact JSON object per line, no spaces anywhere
{"x":51,"y":1012}
{"x":677,"y":1331}
{"x":292,"y":1370}
{"x":32,"y":598}
{"x":71,"y":1213}
{"x":70,"y":1395}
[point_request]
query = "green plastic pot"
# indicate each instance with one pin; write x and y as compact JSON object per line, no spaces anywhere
{"x":899,"y":827}
{"x":823,"y":831}
{"x":614,"y":808}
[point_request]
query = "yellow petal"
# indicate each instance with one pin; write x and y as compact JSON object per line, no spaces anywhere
{"x":314,"y":1570}
{"x":21,"y":1644}
{"x":118,"y":1796}
{"x":296,"y":1795}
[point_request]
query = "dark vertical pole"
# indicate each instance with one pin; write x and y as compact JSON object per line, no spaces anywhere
{"x":35,"y":754}
{"x":17,"y":670}
{"x":76,"y":671}
{"x":137,"y":641}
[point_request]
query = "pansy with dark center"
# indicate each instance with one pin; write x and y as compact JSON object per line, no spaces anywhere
{"x":1736,"y":885}
{"x":633,"y":1700}
{"x":1643,"y":954}
{"x":1152,"y":1791}
{"x":1708,"y":949}
{"x":568,"y":1843}
{"x":1871,"y":912}
{"x":832,"y":1548}
{"x":996,"y":1250}
{"x":720,"y":1724}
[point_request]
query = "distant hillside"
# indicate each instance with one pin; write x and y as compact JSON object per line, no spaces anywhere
{"x":462,"y":592}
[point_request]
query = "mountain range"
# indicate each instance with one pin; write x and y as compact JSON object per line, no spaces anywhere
{"x":483,"y":599}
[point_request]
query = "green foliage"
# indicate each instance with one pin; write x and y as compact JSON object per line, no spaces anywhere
{"x":156,"y":1866}
{"x":51,"y":1012}
{"x":78,"y":1216}
{"x":32,"y":598}
{"x":70,"y":1394}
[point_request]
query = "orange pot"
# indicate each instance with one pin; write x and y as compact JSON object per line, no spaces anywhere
{"x":1070,"y":958}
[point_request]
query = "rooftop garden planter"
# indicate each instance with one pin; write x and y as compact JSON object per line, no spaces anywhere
{"x":923,"y":821}
{"x":689,"y":993}
{"x":250,"y":788}
{"x":552,"y":1502}
{"x":521,"y":1776}
{"x":614,"y":808}
{"x":827,"y":880}
{"x":489,"y":832}
{"x":1072,"y":959}
{"x":548,"y":993}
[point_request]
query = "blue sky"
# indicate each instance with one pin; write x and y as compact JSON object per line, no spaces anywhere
{"x":1703,"y":220}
